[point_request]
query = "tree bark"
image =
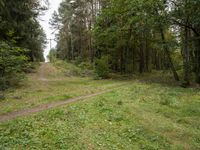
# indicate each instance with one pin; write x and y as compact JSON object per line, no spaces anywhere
{"x":197,"y":57}
{"x":167,"y":52}
{"x":142,"y":63}
{"x":186,"y":59}
{"x":147,"y":54}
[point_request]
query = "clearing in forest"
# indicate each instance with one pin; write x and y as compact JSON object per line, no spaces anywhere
{"x":51,"y":84}
{"x":139,"y":115}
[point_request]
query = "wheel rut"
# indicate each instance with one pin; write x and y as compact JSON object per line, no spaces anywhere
{"x":30,"y":111}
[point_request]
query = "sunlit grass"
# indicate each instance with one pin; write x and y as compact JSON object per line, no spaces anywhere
{"x":143,"y":114}
{"x":50,"y":85}
{"x":139,"y":116}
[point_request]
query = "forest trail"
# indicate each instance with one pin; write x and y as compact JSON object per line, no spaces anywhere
{"x":45,"y":71}
{"x":30,"y":111}
{"x":47,"y":77}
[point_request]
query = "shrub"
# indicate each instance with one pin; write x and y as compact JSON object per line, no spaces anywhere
{"x":31,"y":67}
{"x":52,"y":55}
{"x":12,"y":62}
{"x":86,"y":66}
{"x":102,"y":67}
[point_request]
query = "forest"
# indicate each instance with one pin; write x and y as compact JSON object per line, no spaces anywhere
{"x":123,"y":75}
{"x":22,"y":39}
{"x":132,"y":36}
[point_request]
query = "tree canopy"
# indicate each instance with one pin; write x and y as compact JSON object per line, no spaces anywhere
{"x":136,"y":35}
{"x":22,"y":39}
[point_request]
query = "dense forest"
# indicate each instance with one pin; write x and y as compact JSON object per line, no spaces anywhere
{"x":22,"y":40}
{"x":130,"y":36}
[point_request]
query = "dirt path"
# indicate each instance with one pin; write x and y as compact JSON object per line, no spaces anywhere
{"x":45,"y":71}
{"x":30,"y":111}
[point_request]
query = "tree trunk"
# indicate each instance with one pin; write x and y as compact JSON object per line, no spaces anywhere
{"x":142,"y":63}
{"x":147,"y":54}
{"x":198,"y":61}
{"x":167,"y":52}
{"x":133,"y":60}
{"x":186,"y":60}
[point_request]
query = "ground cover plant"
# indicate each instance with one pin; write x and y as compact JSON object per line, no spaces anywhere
{"x":49,"y":84}
{"x":132,"y":117}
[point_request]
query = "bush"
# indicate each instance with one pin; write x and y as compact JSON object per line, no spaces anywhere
{"x":12,"y":62}
{"x":52,"y":55}
{"x":70,"y":69}
{"x":31,"y":67}
{"x":86,"y":66}
{"x":102,"y":67}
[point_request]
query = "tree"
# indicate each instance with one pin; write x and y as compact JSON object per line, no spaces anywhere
{"x":52,"y":55}
{"x":75,"y":21}
{"x":12,"y":62}
{"x":22,"y":39}
{"x":185,"y":14}
{"x":137,"y":36}
{"x":19,"y":24}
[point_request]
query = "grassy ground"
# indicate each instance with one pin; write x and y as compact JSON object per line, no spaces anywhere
{"x":142,"y":115}
{"x":50,"y":84}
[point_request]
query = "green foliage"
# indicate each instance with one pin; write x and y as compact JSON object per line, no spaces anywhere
{"x":102,"y":68}
{"x":71,"y":69}
{"x":31,"y":67}
{"x":19,"y":25}
{"x":12,"y":62}
{"x":52,"y":55}
{"x":128,"y":31}
{"x":20,"y":28}
{"x":74,"y":38}
{"x":86,"y":66}
{"x":138,"y":35}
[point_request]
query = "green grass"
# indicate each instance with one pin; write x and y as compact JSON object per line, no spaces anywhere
{"x":52,"y":86}
{"x":35,"y":94}
{"x":141,"y":115}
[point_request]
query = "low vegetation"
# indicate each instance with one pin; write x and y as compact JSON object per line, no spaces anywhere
{"x":51,"y":83}
{"x":102,"y":68}
{"x":11,"y":62}
{"x":81,"y":69}
{"x":132,"y":117}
